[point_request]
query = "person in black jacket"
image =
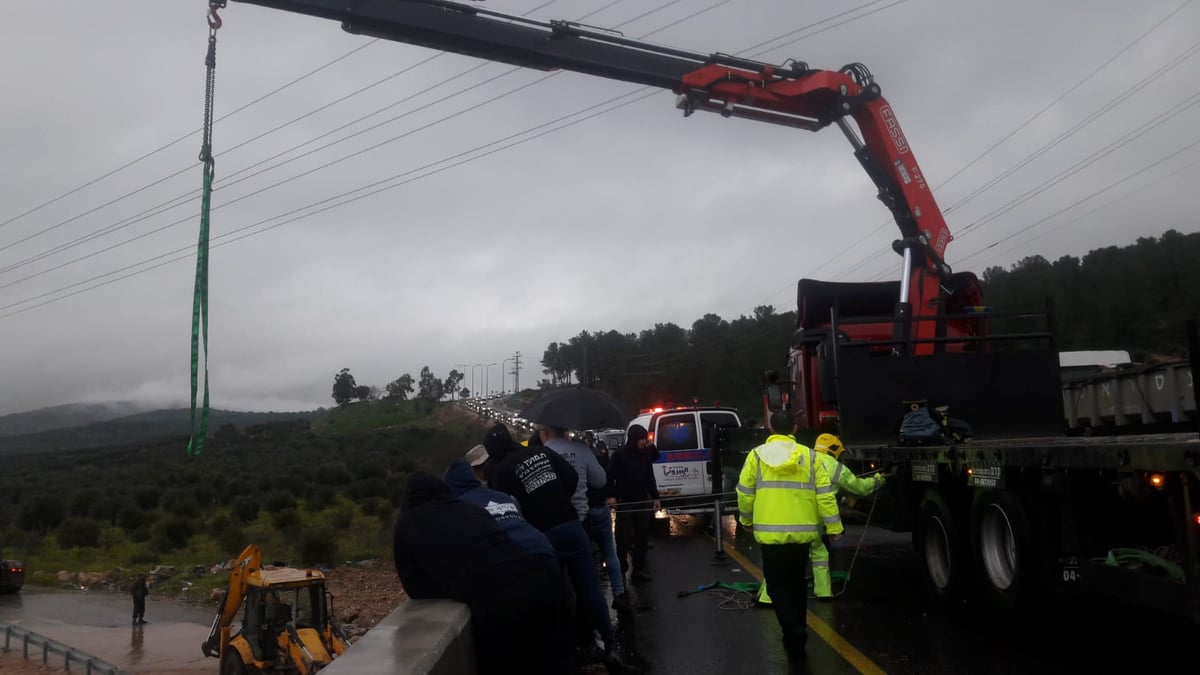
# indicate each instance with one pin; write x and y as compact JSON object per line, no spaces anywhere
{"x":544,"y":484}
{"x":521,"y":617}
{"x":632,"y":487}
{"x":139,"y":593}
{"x":498,"y":442}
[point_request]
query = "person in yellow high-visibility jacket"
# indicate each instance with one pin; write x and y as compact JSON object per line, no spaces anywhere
{"x":780,"y":497}
{"x":829,"y":448}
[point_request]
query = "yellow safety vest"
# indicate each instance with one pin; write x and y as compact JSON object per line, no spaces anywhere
{"x":780,"y":494}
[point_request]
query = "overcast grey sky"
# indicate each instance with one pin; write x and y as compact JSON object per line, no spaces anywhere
{"x":634,"y":217}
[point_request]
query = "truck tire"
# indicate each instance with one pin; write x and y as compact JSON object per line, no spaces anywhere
{"x":939,"y":548}
{"x":1003,"y":545}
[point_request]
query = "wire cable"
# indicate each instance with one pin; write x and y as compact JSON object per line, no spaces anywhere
{"x":49,"y":300}
{"x":186,"y":136}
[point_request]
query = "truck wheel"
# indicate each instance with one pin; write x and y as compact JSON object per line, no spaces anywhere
{"x":231,"y":663}
{"x":938,"y":547}
{"x":1003,"y":547}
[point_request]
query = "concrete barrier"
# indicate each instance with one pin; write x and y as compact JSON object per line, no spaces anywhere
{"x":422,"y":637}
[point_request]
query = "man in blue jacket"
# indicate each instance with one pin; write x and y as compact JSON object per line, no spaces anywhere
{"x":464,"y":483}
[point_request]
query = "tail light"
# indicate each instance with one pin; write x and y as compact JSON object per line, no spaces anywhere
{"x":1156,"y":479}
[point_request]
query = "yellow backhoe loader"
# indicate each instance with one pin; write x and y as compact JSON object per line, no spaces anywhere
{"x":287,"y":623}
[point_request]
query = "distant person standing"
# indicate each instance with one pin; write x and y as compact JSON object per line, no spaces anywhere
{"x":633,"y":489}
{"x":139,"y":593}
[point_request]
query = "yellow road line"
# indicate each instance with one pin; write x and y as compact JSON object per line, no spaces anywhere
{"x":826,"y":632}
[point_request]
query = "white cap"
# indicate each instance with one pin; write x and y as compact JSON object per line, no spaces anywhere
{"x":477,"y":455}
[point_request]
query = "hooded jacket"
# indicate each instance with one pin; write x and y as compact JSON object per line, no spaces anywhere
{"x":502,"y":507}
{"x":499,"y":443}
{"x":631,"y":470}
{"x":447,"y":548}
{"x":783,"y":493}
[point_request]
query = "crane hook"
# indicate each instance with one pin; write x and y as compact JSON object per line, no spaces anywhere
{"x":214,"y":19}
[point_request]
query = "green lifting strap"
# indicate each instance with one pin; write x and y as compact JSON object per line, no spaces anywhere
{"x":200,"y":318}
{"x":200,"y":294}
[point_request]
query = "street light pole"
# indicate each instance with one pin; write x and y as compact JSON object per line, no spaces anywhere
{"x":502,"y":373}
{"x":460,"y":365}
{"x":486,"y":372}
{"x":473,"y":390}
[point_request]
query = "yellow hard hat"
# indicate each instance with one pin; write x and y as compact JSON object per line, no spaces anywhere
{"x":829,"y":444}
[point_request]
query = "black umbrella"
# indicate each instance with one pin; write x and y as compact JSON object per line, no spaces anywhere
{"x":577,"y":408}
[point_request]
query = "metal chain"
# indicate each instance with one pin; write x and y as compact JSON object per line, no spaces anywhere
{"x":210,"y":61}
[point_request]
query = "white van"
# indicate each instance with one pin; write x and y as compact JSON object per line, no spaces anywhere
{"x":685,"y":437}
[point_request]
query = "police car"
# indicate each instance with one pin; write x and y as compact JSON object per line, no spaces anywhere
{"x":684,"y":437}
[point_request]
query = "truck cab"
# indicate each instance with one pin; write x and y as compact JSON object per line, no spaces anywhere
{"x":684,"y":438}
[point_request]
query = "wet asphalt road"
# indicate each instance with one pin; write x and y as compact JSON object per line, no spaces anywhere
{"x":880,"y":623}
{"x":100,"y":624}
{"x":882,"y":614}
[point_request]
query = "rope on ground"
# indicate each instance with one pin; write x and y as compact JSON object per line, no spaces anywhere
{"x":732,"y":600}
{"x":858,"y":546}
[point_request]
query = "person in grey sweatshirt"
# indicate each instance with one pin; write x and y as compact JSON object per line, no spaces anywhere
{"x":593,"y":513}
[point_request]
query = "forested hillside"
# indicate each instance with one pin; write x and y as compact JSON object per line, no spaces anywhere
{"x":1133,"y":297}
{"x":317,"y":492}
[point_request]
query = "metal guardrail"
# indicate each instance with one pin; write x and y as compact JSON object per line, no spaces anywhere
{"x":71,"y":657}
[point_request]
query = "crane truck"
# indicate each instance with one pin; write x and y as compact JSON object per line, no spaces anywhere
{"x":287,"y":620}
{"x":1015,"y":506}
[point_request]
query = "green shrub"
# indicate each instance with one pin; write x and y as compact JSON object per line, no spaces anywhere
{"x":41,"y":513}
{"x":285,"y":519}
{"x":334,"y":473}
{"x":245,"y":508}
{"x":318,"y":546}
{"x":130,"y":518}
{"x":181,"y":502}
{"x":177,"y":530}
{"x":279,"y":500}
{"x":147,"y":497}
{"x":231,"y":540}
{"x":145,"y":556}
{"x":81,"y":502}
{"x":78,"y":533}
{"x":341,"y":516}
{"x":376,"y":506}
{"x":319,"y":498}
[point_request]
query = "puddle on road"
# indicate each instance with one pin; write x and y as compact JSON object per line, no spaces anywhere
{"x":99,"y":624}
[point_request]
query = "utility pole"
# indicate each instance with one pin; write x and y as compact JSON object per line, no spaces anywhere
{"x":517,"y":373}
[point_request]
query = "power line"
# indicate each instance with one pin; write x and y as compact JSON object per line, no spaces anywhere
{"x":1102,"y":190}
{"x":876,"y":254}
{"x":159,"y":149}
{"x":176,"y":201}
{"x":1096,"y":156}
{"x":1066,"y":92}
{"x":643,"y":96}
{"x":180,"y":200}
{"x":1095,"y":115}
{"x":1106,"y":205}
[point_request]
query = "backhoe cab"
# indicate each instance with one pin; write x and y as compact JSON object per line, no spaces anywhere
{"x":287,"y":620}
